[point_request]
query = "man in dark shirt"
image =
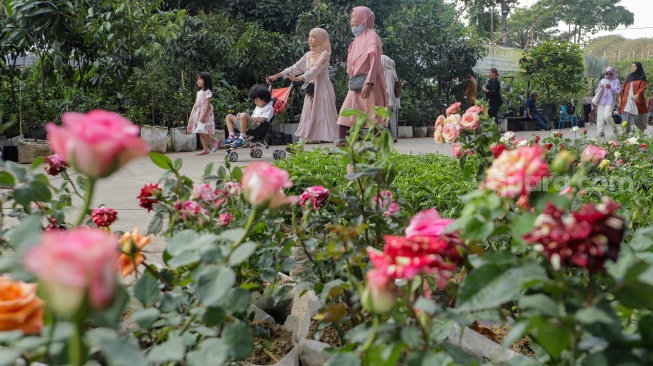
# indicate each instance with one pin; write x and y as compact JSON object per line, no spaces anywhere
{"x":532,"y":113}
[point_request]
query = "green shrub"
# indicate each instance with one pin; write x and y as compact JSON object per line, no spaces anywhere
{"x":425,"y":181}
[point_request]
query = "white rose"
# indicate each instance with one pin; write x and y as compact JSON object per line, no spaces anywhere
{"x":575,"y":129}
{"x":617,"y":154}
{"x":632,"y":140}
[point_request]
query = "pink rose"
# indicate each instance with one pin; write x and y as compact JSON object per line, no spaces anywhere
{"x":475,"y":109}
{"x":452,"y":119}
{"x":189,"y":209}
{"x":55,"y":164}
{"x":427,"y":223}
{"x":592,"y":155}
{"x":439,"y":121}
{"x":224,"y":219}
{"x":98,"y":143}
{"x":71,"y":264}
{"x":453,"y":108}
{"x":437,"y":135}
{"x":104,"y":216}
{"x":497,"y":149}
{"x":523,"y":202}
{"x":469,"y":121}
{"x":379,"y":296}
{"x":456,"y":150}
{"x":233,"y":188}
{"x":262,"y":183}
{"x":450,"y":132}
{"x":517,"y":172}
{"x":203,"y":192}
{"x":317,"y":195}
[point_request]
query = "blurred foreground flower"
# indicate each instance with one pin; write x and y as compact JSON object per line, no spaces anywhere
{"x":517,"y":172}
{"x":379,"y":296}
{"x":20,"y":308}
{"x":73,"y":264}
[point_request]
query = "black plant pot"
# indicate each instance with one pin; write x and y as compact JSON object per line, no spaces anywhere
{"x":10,"y":153}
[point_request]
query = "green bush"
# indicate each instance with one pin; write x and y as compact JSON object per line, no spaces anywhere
{"x":425,"y":181}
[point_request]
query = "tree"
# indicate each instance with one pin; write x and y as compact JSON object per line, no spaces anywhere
{"x":529,"y":26}
{"x":589,"y":17}
{"x":557,"y":67}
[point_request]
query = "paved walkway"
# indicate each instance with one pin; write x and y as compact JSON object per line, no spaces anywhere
{"x":120,"y":190}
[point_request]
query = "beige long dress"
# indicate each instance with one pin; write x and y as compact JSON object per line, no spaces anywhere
{"x":319,"y":114}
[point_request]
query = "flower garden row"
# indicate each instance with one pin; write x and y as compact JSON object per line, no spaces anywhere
{"x":547,"y":238}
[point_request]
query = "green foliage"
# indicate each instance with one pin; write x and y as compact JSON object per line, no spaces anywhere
{"x":555,"y":67}
{"x":424,"y":181}
{"x":530,"y":26}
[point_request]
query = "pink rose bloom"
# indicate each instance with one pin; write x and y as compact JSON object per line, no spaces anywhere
{"x":619,"y":162}
{"x":317,"y":195}
{"x":224,"y":219}
{"x":393,"y":208}
{"x":427,"y":223}
{"x":475,"y":109}
{"x":517,"y":172}
{"x":470,"y":121}
{"x":103,"y":216}
{"x":437,"y":135}
{"x":263,"y":183}
{"x":453,"y":108}
{"x":523,"y":202}
{"x":452,"y":119}
{"x":456,"y":150}
{"x":233,"y":188}
{"x":189,"y":209}
{"x":379,"y":296}
{"x":450,"y":132}
{"x":439,"y":121}
{"x":98,"y":143}
{"x":55,"y":164}
{"x":203,"y":192}
{"x":71,"y":264}
{"x":592,"y":155}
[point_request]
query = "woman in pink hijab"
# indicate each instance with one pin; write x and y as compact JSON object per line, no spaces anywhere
{"x":364,"y":58}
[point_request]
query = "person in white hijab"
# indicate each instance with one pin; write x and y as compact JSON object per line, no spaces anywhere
{"x":393,"y":101}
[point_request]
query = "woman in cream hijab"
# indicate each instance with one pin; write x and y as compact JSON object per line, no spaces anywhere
{"x":319,"y":115}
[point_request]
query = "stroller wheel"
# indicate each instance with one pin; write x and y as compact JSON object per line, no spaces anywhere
{"x":275,"y":154}
{"x":258,"y":153}
{"x":281,"y":155}
{"x":233,"y":156}
{"x":252,"y":153}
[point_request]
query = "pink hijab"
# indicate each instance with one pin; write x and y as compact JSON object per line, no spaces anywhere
{"x":364,"y":44}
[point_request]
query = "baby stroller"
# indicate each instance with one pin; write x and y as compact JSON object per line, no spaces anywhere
{"x":256,"y":136}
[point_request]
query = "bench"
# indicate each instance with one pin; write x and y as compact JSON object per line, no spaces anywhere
{"x":520,"y":123}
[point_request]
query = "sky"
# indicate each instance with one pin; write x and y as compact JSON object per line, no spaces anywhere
{"x":643,"y":10}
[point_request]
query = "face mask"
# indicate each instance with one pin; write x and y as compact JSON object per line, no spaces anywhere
{"x":358,"y":29}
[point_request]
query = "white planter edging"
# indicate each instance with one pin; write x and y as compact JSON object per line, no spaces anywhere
{"x":405,"y":132}
{"x":476,"y":345}
{"x":419,"y":132}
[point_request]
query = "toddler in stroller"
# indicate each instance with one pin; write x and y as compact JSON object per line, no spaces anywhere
{"x":254,"y":128}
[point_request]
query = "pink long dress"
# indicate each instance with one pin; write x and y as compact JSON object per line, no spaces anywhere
{"x":371,"y":67}
{"x":319,"y":114}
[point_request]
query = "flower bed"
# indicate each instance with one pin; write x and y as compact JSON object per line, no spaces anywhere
{"x":544,"y":236}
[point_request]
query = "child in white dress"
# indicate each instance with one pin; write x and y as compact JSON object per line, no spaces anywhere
{"x":201,"y":119}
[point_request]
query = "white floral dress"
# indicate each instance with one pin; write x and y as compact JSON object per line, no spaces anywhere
{"x":201,"y":104}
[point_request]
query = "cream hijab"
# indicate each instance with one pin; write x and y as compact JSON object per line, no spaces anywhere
{"x":322,"y":47}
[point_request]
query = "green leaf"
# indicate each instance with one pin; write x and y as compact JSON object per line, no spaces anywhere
{"x":540,"y":303}
{"x":8,"y":356}
{"x":146,"y":290}
{"x":171,"y":350}
{"x":239,"y":340}
{"x":110,"y":317}
{"x":214,"y":283}
{"x":490,"y":286}
{"x":184,"y":259}
{"x":212,"y":351}
{"x":343,"y":359}
{"x":411,"y":336}
{"x":477,"y":229}
{"x":119,"y":352}
{"x":208,"y":169}
{"x":593,"y":315}
{"x":178,"y":164}
{"x":146,"y":317}
{"x":553,"y":338}
{"x":9,"y":337}
{"x":161,"y":160}
{"x":7,"y":180}
{"x":213,"y":316}
{"x":156,"y":225}
{"x":27,"y":234}
{"x":242,"y":253}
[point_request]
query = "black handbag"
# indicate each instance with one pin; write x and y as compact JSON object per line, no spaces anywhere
{"x":308,"y":89}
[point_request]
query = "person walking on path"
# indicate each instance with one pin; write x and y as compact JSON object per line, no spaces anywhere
{"x":633,"y":105}
{"x":608,"y":88}
{"x":202,"y":121}
{"x":471,"y":88}
{"x":393,"y":100}
{"x":319,"y":114}
{"x":587,"y":107}
{"x":650,"y":109}
{"x":493,"y":94}
{"x":363,"y":67}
